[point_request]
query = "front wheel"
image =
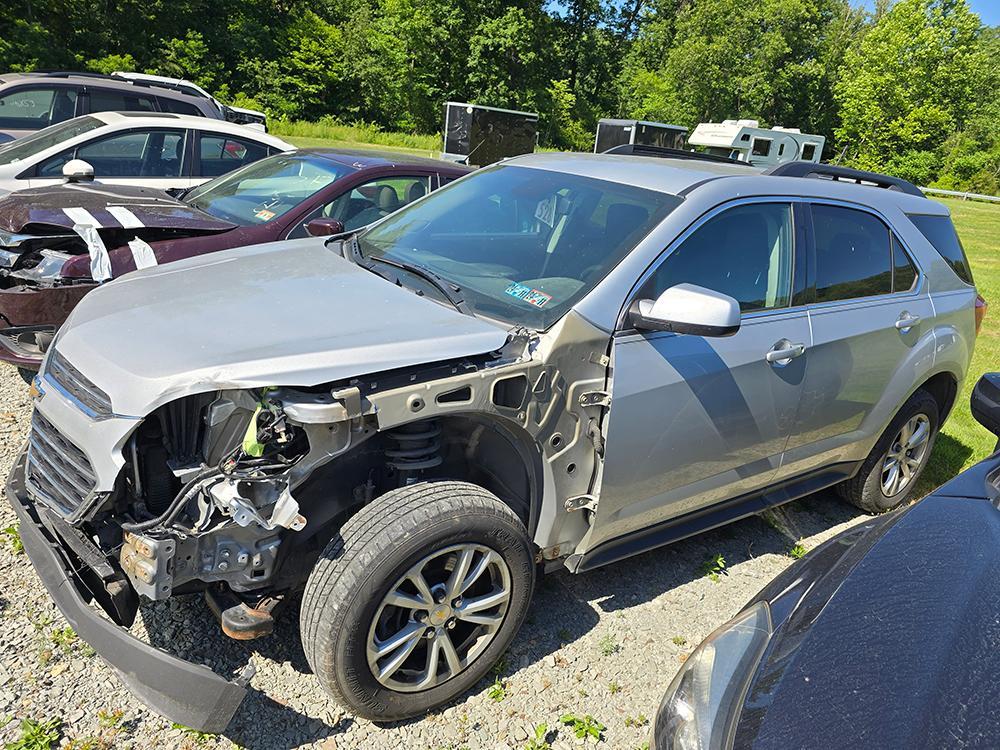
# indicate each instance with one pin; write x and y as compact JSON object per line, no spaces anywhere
{"x":889,"y":475}
{"x":416,"y":599}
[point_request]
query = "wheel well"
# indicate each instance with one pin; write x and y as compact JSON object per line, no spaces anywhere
{"x":486,"y":452}
{"x":472,"y":448}
{"x":944,"y":388}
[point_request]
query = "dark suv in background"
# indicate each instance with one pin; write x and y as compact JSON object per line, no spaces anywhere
{"x":32,"y":101}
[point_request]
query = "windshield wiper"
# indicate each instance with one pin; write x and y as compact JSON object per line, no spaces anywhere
{"x":451,"y":292}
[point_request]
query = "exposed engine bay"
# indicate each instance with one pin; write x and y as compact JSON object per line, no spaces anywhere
{"x":237,"y":492}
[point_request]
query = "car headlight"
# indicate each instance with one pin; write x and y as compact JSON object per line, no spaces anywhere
{"x":700,"y":708}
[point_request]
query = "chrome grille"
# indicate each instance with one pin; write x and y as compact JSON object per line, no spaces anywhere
{"x":57,"y":472}
{"x":67,"y":378}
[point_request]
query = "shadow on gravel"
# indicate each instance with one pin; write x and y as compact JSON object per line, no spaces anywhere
{"x":561,"y":613}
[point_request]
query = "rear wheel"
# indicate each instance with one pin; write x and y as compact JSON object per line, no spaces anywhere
{"x":889,"y":475}
{"x":417,"y":598}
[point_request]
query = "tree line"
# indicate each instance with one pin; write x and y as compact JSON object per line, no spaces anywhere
{"x":909,"y":88}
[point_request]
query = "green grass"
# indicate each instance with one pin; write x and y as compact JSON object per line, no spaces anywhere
{"x":963,"y":441}
{"x":363,"y":136}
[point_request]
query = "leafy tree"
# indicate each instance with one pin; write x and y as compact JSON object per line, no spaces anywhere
{"x":917,"y":76}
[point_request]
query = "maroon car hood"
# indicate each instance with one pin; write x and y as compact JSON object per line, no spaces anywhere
{"x":41,"y":209}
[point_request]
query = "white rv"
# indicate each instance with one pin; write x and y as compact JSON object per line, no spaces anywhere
{"x":747,"y":141}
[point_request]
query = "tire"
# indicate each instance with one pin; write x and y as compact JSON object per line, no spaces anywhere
{"x":344,"y":607}
{"x":866,"y":489}
{"x":26,"y":375}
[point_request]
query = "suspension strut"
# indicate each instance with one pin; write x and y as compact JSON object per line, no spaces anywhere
{"x":418,"y":447}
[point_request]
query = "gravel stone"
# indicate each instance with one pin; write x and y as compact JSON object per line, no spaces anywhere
{"x":555,"y":666}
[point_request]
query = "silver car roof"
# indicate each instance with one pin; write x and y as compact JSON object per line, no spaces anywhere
{"x":685,"y":176}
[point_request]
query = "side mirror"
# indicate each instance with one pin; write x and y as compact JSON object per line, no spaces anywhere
{"x":985,"y":402}
{"x":77,"y":170}
{"x":324,"y":227}
{"x":688,"y":308}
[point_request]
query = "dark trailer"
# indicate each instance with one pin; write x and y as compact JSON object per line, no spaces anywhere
{"x":483,"y":135}
{"x":611,"y":133}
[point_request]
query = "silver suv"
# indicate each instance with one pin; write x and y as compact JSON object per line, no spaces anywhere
{"x":558,"y":361}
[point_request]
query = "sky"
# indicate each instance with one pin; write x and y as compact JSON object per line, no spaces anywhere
{"x":988,"y":10}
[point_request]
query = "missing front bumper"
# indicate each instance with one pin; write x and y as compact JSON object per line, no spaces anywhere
{"x":186,"y":693}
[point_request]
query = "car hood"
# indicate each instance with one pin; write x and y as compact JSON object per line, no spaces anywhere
{"x":892,"y":638}
{"x":42,"y":209}
{"x":291,"y":313}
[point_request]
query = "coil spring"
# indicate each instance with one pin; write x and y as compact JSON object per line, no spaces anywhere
{"x":418,"y":447}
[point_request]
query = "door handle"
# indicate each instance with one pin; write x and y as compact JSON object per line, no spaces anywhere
{"x":784,"y":352}
{"x":906,"y":322}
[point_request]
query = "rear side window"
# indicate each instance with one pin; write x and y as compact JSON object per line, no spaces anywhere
{"x":105,"y":100}
{"x":219,"y":154}
{"x":940,"y":232}
{"x":853,"y":254}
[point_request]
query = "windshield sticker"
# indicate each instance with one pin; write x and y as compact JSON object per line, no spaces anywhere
{"x":265,"y":215}
{"x":527,"y":294}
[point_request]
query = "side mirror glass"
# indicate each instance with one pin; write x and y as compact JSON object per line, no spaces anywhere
{"x":688,"y":308}
{"x":985,"y":402}
{"x":77,"y":170}
{"x":324,"y":227}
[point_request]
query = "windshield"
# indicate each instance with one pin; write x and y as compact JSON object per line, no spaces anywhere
{"x":46,"y":138}
{"x":523,"y":244}
{"x":267,"y":189}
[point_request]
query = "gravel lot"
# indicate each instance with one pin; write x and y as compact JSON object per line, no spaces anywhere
{"x":606,"y":643}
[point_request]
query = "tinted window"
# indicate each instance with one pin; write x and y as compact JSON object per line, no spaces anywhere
{"x":219,"y":154}
{"x":761,"y":147}
{"x":940,"y":232}
{"x":745,"y":252}
{"x":904,"y":273}
{"x":178,"y":107}
{"x":139,"y":153}
{"x":106,"y":100}
{"x":34,"y":109}
{"x":852,"y":254}
{"x":809,"y":152}
{"x":368,"y":202}
{"x":523,"y":244}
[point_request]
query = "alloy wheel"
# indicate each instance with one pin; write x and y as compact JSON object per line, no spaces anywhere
{"x":439,"y":617}
{"x":906,"y":455}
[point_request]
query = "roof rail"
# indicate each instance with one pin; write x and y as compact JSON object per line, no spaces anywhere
{"x":662,"y":152}
{"x":840,"y":174}
{"x":88,"y":74}
{"x":68,"y":74}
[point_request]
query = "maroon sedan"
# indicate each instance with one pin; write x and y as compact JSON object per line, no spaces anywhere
{"x":58,"y":243}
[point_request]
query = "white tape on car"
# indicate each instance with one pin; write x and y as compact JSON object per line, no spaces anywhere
{"x":82,"y":216}
{"x":126,"y":218}
{"x":142,"y":253}
{"x":100,"y":263}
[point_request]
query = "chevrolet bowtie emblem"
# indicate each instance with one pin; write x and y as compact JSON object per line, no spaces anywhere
{"x":36,"y":390}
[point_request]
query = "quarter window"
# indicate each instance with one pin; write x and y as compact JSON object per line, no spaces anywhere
{"x":853,"y":254}
{"x":940,"y":232}
{"x":178,"y":107}
{"x":745,"y":252}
